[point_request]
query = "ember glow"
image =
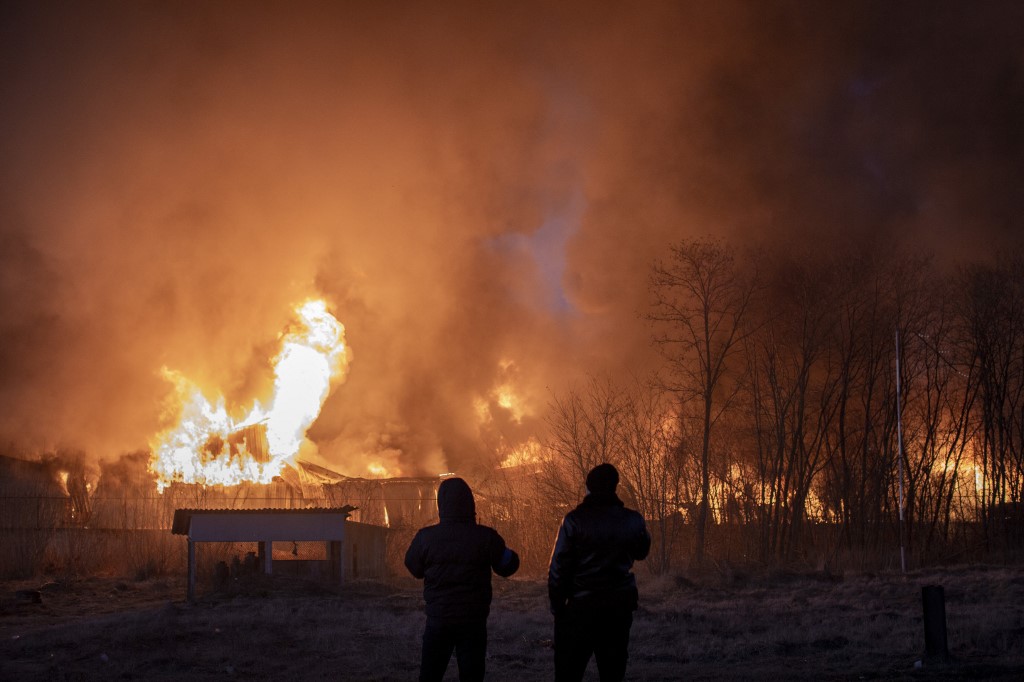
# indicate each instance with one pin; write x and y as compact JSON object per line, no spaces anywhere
{"x":378,"y":470}
{"x":529,"y":453}
{"x":482,"y":189}
{"x":209,"y":447}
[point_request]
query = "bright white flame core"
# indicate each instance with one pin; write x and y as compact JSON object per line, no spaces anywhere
{"x":197,"y":449}
{"x":303,"y":371}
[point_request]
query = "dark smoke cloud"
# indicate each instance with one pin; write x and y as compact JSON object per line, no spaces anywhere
{"x":470,"y":184}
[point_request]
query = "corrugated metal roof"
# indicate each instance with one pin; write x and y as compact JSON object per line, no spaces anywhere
{"x":182,"y":517}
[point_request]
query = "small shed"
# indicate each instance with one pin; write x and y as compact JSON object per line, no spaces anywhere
{"x":266,"y":526}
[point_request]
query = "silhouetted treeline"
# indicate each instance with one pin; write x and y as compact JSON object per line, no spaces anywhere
{"x":772,"y":431}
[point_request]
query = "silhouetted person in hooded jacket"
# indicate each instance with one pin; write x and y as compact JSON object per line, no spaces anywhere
{"x":590,"y":581}
{"x":455,"y":559}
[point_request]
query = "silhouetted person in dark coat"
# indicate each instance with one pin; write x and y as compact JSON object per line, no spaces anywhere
{"x":455,"y":559}
{"x":590,"y":582}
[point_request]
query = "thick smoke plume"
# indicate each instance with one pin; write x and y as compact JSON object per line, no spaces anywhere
{"x":478,"y":189}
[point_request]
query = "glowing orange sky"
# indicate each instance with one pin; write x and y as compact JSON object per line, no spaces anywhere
{"x":468,"y":184}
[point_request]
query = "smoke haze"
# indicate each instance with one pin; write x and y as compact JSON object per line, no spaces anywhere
{"x":478,"y":189}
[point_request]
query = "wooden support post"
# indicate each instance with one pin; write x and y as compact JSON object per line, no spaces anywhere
{"x":337,"y":565}
{"x":266,"y":554}
{"x":933,"y":600}
{"x":191,"y":589}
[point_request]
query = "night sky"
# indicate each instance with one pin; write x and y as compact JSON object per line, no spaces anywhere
{"x":478,"y":189}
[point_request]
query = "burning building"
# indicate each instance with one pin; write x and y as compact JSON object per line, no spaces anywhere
{"x":212,"y":457}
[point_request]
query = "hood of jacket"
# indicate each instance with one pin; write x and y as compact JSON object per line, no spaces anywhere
{"x":455,"y":501}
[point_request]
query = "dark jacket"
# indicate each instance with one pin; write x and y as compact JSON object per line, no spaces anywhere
{"x":591,"y":564}
{"x":455,"y":558}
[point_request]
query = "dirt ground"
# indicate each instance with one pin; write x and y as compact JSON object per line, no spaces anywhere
{"x":783,"y":626}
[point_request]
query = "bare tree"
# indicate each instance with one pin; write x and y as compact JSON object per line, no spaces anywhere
{"x":792,"y":391}
{"x":584,"y":430}
{"x":650,"y":466}
{"x":995,"y":317}
{"x":631,"y":426}
{"x":939,"y":387}
{"x":701,"y":300}
{"x":862,"y":465}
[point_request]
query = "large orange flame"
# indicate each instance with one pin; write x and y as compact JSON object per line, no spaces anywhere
{"x":208,"y":447}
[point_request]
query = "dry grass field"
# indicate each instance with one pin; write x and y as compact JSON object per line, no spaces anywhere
{"x":725,"y":626}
